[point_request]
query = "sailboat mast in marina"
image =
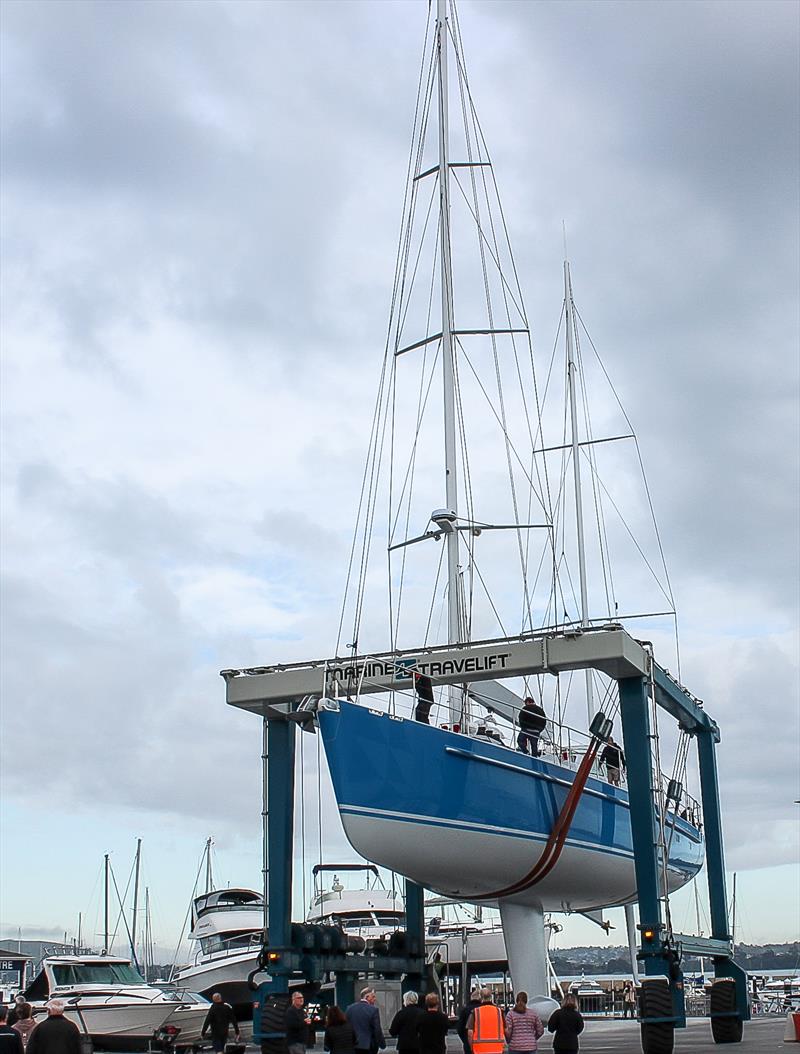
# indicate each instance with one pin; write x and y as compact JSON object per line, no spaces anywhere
{"x":478,"y":585}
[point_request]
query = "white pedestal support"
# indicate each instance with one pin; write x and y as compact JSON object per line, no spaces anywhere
{"x":526,"y":948}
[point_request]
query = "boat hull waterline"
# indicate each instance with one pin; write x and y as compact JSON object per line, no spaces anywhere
{"x":415,"y":798}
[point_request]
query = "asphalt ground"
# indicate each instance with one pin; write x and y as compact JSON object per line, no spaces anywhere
{"x":623,"y":1037}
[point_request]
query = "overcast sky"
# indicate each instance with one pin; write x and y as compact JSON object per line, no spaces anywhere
{"x":200,"y":209}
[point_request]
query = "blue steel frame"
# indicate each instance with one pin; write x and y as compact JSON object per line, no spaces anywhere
{"x":659,"y":955}
{"x":281,"y":741}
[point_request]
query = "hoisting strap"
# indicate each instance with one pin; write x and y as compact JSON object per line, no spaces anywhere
{"x":558,"y":836}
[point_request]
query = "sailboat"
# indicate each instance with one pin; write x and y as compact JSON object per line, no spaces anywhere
{"x":422,"y":740}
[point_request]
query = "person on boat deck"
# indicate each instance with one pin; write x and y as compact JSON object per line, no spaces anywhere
{"x":614,"y":760}
{"x":532,"y":722}
{"x":219,"y":1019}
{"x":485,"y":1028}
{"x":424,"y":688}
{"x":404,"y":1024}
{"x":365,"y":1018}
{"x":10,"y":1041}
{"x":432,"y":1026}
{"x":296,"y":1023}
{"x":463,"y":1018}
{"x":56,"y":1034}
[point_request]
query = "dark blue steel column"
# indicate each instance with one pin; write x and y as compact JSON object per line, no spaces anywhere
{"x":415,"y":932}
{"x":634,"y":710}
{"x":281,"y":737}
{"x":715,"y":865}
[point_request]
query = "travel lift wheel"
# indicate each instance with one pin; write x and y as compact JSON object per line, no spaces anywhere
{"x":728,"y":1028}
{"x":656,"y":1001}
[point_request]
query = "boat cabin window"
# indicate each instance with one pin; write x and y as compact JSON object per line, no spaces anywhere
{"x":388,"y":920}
{"x":96,"y":973}
{"x":354,"y":918}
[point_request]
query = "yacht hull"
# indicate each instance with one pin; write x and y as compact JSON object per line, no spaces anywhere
{"x":114,"y":1028}
{"x":227,"y":975}
{"x":467,"y":817}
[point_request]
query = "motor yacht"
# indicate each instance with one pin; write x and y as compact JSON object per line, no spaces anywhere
{"x":109,"y":1001}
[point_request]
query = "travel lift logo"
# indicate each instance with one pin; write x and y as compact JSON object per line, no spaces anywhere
{"x":402,"y":670}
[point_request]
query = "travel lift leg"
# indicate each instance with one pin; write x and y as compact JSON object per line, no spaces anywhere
{"x":282,"y":956}
{"x":662,"y":1007}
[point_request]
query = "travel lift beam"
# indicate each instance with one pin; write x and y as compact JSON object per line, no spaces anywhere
{"x":310,"y":953}
{"x":285,"y":694}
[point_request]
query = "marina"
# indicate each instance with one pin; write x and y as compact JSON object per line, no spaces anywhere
{"x":501,"y":730}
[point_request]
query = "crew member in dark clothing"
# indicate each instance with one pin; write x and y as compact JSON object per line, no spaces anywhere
{"x":297,"y":1023}
{"x":10,"y":1040}
{"x":219,"y":1019}
{"x":339,"y":1036}
{"x":567,"y":1024}
{"x":424,"y":688}
{"x":532,"y":722}
{"x":56,"y":1034}
{"x":432,"y":1026}
{"x":464,"y":1016}
{"x":614,"y":760}
{"x":404,"y":1024}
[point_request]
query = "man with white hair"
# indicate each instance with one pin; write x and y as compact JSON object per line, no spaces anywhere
{"x":56,"y":1034}
{"x":365,"y":1018}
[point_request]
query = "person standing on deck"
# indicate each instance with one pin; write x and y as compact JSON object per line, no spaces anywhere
{"x":485,"y":1029}
{"x":365,"y":1018}
{"x":532,"y":722}
{"x":424,"y":687}
{"x":219,"y":1019}
{"x":614,"y":760}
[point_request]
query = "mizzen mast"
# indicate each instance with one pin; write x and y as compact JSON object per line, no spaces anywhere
{"x":569,"y":306}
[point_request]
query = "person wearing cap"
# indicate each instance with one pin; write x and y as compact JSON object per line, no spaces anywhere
{"x":56,"y":1034}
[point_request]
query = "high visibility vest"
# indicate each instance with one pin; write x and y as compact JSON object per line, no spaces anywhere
{"x":488,"y":1034}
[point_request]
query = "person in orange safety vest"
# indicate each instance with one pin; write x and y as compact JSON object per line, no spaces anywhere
{"x":485,"y":1027}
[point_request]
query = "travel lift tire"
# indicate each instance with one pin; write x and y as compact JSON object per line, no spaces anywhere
{"x":726,"y":1029}
{"x":655,"y":1000}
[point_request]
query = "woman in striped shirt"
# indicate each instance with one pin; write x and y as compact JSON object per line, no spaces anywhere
{"x":523,"y":1027}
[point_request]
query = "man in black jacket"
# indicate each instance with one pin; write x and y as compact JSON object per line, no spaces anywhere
{"x":10,"y":1039}
{"x":219,"y":1019}
{"x":56,"y":1034}
{"x":464,"y":1016}
{"x":296,"y":1023}
{"x":532,"y":722}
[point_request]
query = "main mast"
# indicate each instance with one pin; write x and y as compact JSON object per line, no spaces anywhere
{"x":576,"y":468}
{"x":454,"y":621}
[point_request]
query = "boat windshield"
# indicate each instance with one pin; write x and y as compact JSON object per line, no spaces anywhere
{"x":97,"y":973}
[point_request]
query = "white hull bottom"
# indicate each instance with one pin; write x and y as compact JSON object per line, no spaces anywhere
{"x":226,"y":975}
{"x":125,"y":1027}
{"x":427,"y":856}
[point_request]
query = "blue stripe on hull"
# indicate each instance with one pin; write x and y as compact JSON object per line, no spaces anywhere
{"x":398,"y":779}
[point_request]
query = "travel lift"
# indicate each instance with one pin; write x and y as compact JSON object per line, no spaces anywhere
{"x":287,"y":696}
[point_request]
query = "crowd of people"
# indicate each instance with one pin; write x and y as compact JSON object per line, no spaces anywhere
{"x":422,"y":1027}
{"x":20,"y":1034}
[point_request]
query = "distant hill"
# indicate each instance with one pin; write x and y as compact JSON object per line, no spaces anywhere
{"x":616,"y":959}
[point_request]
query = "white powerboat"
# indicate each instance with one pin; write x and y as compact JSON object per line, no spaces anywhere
{"x":365,"y":909}
{"x":228,"y":929}
{"x":109,"y":1000}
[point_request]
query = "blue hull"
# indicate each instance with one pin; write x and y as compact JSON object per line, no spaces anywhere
{"x":467,"y":817}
